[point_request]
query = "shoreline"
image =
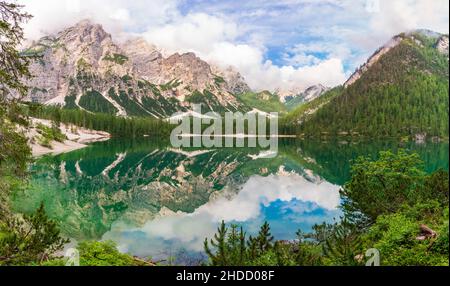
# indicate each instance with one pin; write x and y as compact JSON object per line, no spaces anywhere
{"x":76,"y":138}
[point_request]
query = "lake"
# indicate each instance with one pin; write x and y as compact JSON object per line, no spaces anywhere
{"x":160,"y":202}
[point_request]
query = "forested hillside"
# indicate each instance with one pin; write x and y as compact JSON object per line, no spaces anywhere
{"x":404,"y":93}
{"x":264,"y":101}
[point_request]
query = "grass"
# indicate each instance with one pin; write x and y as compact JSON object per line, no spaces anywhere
{"x":264,"y":101}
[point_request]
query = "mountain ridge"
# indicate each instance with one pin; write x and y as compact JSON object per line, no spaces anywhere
{"x":402,"y":90}
{"x":82,"y":67}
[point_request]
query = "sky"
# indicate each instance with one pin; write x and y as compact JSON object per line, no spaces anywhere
{"x":284,"y":44}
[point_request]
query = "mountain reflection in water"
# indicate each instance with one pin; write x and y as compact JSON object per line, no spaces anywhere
{"x":154,"y":200}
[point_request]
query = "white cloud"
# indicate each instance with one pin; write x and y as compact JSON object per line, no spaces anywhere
{"x":394,"y":17}
{"x":246,"y":207}
{"x":117,"y":16}
{"x":216,"y":40}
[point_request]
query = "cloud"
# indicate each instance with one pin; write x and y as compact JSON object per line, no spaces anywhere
{"x":394,"y":17}
{"x":217,"y":40}
{"x":117,"y":16}
{"x":301,"y":204}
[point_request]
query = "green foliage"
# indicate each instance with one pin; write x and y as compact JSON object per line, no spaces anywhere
{"x":290,"y":123}
{"x":30,"y":239}
{"x":195,"y":97}
{"x":218,"y":80}
{"x":49,"y":134}
{"x":397,"y":197}
{"x":404,"y":93}
{"x":94,"y":253}
{"x":343,"y":244}
{"x":262,"y":243}
{"x":14,"y":151}
{"x":383,"y":186}
{"x":294,"y":103}
{"x":100,"y":253}
{"x":44,"y":142}
{"x":395,"y":236}
{"x":13,"y":65}
{"x":95,"y":102}
{"x":209,"y":102}
{"x":116,"y":126}
{"x":264,"y":101}
{"x":170,"y":85}
{"x":230,"y":247}
{"x":83,"y":65}
{"x":116,"y":58}
{"x":396,"y":200}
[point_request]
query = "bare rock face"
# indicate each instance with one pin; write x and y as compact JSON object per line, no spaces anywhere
{"x":235,"y":81}
{"x":188,"y":69}
{"x":288,"y":94}
{"x":85,"y":46}
{"x":442,"y":45}
{"x":84,"y":58}
{"x":302,"y":95}
{"x":313,"y":92}
{"x":146,"y":58}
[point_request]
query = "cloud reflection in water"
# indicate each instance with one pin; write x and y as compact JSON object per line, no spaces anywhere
{"x":288,"y":202}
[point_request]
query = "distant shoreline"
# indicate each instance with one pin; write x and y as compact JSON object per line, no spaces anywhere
{"x":238,"y":136}
{"x":77,"y":138}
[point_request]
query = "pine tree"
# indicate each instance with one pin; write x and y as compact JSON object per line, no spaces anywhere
{"x":344,"y":244}
{"x":264,"y":239}
{"x":219,"y":258}
{"x":31,"y":239}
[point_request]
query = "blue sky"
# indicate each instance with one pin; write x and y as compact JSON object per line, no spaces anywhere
{"x":285,"y":44}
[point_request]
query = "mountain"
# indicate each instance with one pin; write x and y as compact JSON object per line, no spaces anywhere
{"x":82,"y":67}
{"x":307,"y":95}
{"x":234,"y":80}
{"x":402,"y":90}
{"x":92,"y":188}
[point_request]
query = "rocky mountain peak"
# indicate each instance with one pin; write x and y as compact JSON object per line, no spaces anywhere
{"x":191,"y":71}
{"x":302,"y":94}
{"x":395,"y":41}
{"x":288,"y":94}
{"x":236,"y":83}
{"x":82,"y":67}
{"x":313,"y":92}
{"x":146,"y":58}
{"x":84,"y":33}
{"x":416,"y":37}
